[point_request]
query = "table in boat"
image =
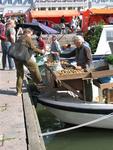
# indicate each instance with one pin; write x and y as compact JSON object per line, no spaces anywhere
{"x":77,"y":80}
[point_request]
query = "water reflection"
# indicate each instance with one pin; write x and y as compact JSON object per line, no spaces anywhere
{"x":79,"y":139}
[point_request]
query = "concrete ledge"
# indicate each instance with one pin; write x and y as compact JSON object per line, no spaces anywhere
{"x":35,"y":142}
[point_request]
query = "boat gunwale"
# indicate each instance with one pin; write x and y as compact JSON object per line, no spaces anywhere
{"x":77,"y":106}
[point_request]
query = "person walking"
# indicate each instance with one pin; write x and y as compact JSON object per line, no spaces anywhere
{"x":31,"y":65}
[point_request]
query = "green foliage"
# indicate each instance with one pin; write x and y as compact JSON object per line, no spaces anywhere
{"x":109,"y":59}
{"x":93,"y":36}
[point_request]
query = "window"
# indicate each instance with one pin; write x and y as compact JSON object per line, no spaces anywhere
{"x":109,"y":35}
{"x":111,"y":46}
{"x":59,"y":8}
{"x":53,"y":8}
{"x":19,"y":1}
{"x":43,"y":8}
{"x":9,"y":1}
{"x":20,"y":11}
{"x":10,"y":11}
{"x":30,"y":1}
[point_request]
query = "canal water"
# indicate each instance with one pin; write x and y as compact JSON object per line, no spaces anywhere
{"x":79,"y":139}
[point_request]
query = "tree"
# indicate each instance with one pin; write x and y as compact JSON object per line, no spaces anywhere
{"x":93,"y":36}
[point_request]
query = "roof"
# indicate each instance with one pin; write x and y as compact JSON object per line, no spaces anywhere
{"x":53,"y":13}
{"x":14,"y":14}
{"x":101,"y":11}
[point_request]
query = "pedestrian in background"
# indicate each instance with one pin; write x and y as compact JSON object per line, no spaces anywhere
{"x":41,"y":43}
{"x":73,"y":24}
{"x":62,"y":19}
{"x":55,"y":49}
{"x":3,"y":38}
{"x":10,"y":39}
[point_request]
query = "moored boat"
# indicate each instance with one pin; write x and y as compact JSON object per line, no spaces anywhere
{"x":72,"y":110}
{"x":64,"y":101}
{"x":95,"y":108}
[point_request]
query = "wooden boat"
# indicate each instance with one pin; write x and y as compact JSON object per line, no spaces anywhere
{"x":75,"y":111}
{"x":94,"y":109}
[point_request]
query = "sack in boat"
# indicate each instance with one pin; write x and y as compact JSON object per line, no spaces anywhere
{"x":20,"y":52}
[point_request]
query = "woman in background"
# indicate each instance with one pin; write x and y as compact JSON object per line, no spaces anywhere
{"x":10,"y":39}
{"x":55,"y":49}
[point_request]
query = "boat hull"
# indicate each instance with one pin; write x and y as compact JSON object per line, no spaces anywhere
{"x":81,"y":113}
{"x":82,"y":118}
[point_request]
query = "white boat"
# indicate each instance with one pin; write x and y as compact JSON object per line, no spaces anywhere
{"x":66,"y":107}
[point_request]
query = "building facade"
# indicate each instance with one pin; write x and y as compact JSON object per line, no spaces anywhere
{"x":9,"y":6}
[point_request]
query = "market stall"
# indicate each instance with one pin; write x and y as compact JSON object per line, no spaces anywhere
{"x":52,"y":15}
{"x":92,"y":17}
{"x":73,"y":80}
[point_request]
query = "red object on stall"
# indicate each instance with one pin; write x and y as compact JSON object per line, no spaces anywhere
{"x":93,"y":16}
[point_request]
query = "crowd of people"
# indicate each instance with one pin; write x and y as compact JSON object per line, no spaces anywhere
{"x":73,"y":26}
{"x":8,"y":37}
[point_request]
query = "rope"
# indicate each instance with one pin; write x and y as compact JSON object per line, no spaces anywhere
{"x":78,"y":126}
{"x":28,"y":76}
{"x":61,"y":37}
